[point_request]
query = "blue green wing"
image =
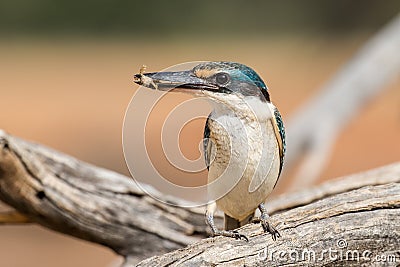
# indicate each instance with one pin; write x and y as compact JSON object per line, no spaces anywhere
{"x":281,"y":137}
{"x":206,"y":143}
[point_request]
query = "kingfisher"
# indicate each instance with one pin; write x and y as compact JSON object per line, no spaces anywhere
{"x":244,"y":139}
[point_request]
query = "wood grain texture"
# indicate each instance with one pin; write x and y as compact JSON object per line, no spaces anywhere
{"x":75,"y":198}
{"x":347,"y":229}
{"x":91,"y":203}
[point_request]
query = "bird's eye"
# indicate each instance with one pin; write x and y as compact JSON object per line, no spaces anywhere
{"x":222,"y":78}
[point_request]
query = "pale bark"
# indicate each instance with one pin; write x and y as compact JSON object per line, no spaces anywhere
{"x":64,"y":194}
{"x":78,"y":199}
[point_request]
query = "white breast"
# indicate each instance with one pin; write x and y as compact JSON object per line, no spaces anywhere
{"x":246,"y":157}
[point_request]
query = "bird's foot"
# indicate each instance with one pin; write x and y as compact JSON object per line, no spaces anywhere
{"x":268,"y":227}
{"x":233,"y":234}
{"x":266,"y":223}
{"x":215,"y":231}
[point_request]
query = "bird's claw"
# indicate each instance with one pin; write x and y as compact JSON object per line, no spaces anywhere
{"x":239,"y":236}
{"x":234,"y":234}
{"x":270,"y":229}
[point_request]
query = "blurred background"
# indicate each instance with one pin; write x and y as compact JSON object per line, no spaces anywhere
{"x":66,"y":72}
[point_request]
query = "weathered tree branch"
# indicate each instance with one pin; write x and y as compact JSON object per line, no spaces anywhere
{"x":313,"y":130}
{"x":357,"y":224}
{"x":78,"y":199}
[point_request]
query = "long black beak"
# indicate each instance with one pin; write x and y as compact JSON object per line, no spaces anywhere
{"x":165,"y":81}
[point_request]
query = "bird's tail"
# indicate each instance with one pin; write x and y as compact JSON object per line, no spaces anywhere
{"x":231,"y":223}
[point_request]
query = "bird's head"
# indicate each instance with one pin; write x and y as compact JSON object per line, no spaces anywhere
{"x":209,"y":78}
{"x":234,"y":87}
